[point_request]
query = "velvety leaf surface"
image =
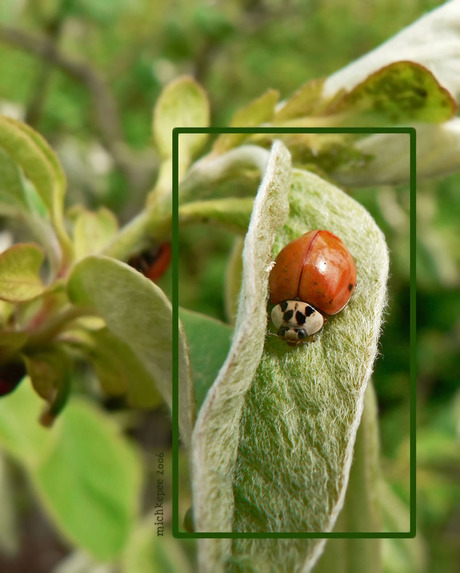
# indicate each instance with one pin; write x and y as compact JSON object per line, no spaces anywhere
{"x":301,"y":409}
{"x":118,"y":368}
{"x":138,"y":313}
{"x":215,"y":438}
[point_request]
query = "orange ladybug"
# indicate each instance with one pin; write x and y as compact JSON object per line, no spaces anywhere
{"x":314,"y":275}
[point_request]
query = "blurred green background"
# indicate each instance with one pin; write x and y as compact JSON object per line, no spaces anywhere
{"x":86,"y":74}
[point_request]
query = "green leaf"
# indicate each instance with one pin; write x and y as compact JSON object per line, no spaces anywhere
{"x":302,"y":102}
{"x":47,"y":371}
{"x":90,"y":481}
{"x":287,"y":436}
{"x":138,"y":313}
{"x":361,"y":511}
{"x":400,"y":555}
{"x":118,"y":368}
{"x":147,"y":552}
{"x":37,"y":159}
{"x":11,"y":342}
{"x":41,"y":166}
{"x":260,"y":110}
{"x":12,"y":195}
{"x":93,"y":231}
{"x":400,"y":92}
{"x":234,"y":173}
{"x":19,"y":272}
{"x":215,"y":437}
{"x":209,"y":342}
{"x":233,"y":277}
{"x":20,"y":433}
{"x":232,"y":213}
{"x":183,"y":103}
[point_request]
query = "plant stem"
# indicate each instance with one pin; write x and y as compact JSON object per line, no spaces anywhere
{"x":55,"y":325}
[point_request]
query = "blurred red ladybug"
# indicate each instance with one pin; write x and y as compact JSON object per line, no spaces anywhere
{"x":314,"y":275}
{"x":154,"y":262}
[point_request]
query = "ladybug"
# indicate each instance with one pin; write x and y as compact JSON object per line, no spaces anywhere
{"x":152,"y":263}
{"x":314,"y":276}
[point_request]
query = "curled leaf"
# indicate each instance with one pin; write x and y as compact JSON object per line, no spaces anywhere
{"x":388,"y":156}
{"x":12,"y":193}
{"x":36,"y":158}
{"x":215,"y":437}
{"x":400,"y":92}
{"x":296,"y":429}
{"x":432,"y":41}
{"x":38,"y":161}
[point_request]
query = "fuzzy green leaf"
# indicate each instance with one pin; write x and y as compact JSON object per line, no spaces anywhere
{"x":399,"y":92}
{"x":215,"y":437}
{"x":255,"y":113}
{"x":209,"y":342}
{"x":19,"y":272}
{"x":183,"y":103}
{"x":90,"y":482}
{"x":118,"y":368}
{"x":138,"y":313}
{"x":361,"y":511}
{"x":233,"y":278}
{"x":295,"y":421}
{"x":93,"y":231}
{"x":232,"y":213}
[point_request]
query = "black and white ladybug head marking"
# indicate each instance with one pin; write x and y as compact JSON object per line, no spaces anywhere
{"x":294,"y":320}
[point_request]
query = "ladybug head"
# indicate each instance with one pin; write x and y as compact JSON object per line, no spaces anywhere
{"x":296,"y":320}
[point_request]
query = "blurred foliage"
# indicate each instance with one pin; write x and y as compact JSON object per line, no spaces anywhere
{"x":237,"y":50}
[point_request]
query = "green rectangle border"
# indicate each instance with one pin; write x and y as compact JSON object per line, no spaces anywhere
{"x":177,"y":131}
